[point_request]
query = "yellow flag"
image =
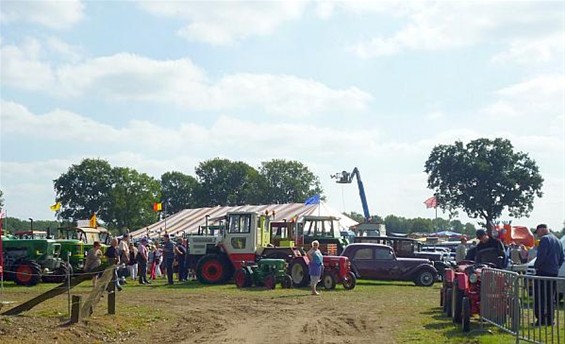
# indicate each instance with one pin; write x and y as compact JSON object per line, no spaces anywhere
{"x":56,"y":206}
{"x":92,"y":222}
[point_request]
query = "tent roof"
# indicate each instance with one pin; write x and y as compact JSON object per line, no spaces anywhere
{"x":189,"y":220}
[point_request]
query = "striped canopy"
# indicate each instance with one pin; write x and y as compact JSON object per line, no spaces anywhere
{"x":189,"y":220}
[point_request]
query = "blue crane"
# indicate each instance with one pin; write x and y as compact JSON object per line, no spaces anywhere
{"x":346,"y":178}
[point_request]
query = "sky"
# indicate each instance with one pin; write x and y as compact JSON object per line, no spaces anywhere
{"x":163,"y":86}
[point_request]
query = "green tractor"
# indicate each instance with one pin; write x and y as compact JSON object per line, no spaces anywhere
{"x":28,"y":261}
{"x":265,"y":272}
{"x":76,"y":241}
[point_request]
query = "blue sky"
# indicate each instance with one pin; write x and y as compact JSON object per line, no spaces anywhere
{"x":162,"y":86}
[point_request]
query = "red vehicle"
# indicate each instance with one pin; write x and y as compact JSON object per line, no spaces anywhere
{"x":337,"y":269}
{"x":461,"y":292}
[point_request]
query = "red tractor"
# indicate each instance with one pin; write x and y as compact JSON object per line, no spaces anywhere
{"x":461,"y":292}
{"x":337,"y":269}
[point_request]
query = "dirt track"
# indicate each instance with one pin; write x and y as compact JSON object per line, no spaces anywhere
{"x":193,"y":314}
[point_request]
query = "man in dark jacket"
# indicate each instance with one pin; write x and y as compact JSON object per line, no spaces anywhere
{"x":489,"y":250}
{"x":549,"y":259}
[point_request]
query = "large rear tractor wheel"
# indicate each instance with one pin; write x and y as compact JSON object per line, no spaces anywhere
{"x":213,"y":269}
{"x":466,"y":314}
{"x":329,"y":280}
{"x":270,"y":282}
{"x":27,"y":273}
{"x":350,"y":281}
{"x":298,"y":271}
{"x":242,"y":278}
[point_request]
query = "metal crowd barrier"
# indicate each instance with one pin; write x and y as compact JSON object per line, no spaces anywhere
{"x":512,"y":301}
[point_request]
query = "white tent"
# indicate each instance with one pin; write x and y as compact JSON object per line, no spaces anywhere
{"x":189,"y":220}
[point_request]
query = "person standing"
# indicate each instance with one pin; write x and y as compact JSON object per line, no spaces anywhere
{"x":123,"y":251}
{"x":549,"y":259}
{"x":316,"y":266}
{"x":114,"y":259}
{"x":461,"y":250}
{"x":180,"y":253}
{"x":93,"y":260}
{"x":169,"y":256}
{"x":489,"y":250}
{"x":142,"y":258}
{"x":132,"y":262}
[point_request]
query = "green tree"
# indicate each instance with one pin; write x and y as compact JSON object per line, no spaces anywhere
{"x":84,"y":190}
{"x":224,"y":182}
{"x":131,"y":199}
{"x":179,"y":191}
{"x":288,"y":182}
{"x":483,"y":178}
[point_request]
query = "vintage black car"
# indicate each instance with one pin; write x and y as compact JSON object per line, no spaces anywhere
{"x":410,"y":248}
{"x":378,"y":262}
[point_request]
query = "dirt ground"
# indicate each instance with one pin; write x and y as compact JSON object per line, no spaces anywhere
{"x":192,"y":313}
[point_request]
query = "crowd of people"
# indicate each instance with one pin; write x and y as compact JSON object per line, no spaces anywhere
{"x":144,"y":262}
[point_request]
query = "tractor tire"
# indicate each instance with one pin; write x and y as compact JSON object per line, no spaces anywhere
{"x":27,"y":273}
{"x":447,"y":302}
{"x":58,"y":276}
{"x":425,"y":278}
{"x":457,"y":305}
{"x":350,"y":281}
{"x":213,"y":269}
{"x":270,"y":282}
{"x":298,"y":271}
{"x":242,"y":278}
{"x":329,"y":280}
{"x":466,"y":314}
{"x":286,"y":282}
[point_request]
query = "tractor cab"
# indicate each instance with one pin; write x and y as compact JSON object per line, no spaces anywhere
{"x":325,"y":229}
{"x":246,"y":235}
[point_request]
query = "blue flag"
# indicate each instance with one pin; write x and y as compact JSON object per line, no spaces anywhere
{"x":313,"y":200}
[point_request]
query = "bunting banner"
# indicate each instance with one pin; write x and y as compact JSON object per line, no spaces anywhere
{"x":157,"y":206}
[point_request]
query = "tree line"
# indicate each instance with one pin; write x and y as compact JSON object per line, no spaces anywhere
{"x":122,"y":198}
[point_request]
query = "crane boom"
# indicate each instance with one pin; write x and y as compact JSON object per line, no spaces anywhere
{"x":346,"y":178}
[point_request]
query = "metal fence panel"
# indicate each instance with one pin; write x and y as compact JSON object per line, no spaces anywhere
{"x":530,"y":307}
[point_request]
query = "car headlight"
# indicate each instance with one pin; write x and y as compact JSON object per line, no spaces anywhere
{"x":473,"y":278}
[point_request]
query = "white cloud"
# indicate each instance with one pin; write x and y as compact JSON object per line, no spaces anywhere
{"x":537,"y":104}
{"x":59,"y":14}
{"x":539,"y":50}
{"x":128,"y":77}
{"x":445,"y":25}
{"x":226,"y":22}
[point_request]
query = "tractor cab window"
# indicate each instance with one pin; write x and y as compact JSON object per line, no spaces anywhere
{"x":240,"y":223}
{"x":320,"y":229}
{"x":384,"y":254}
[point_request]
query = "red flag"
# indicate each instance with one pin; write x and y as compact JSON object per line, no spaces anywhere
{"x":431,"y":202}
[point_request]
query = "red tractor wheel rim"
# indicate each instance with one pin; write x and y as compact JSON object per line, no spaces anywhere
{"x":213,"y":270}
{"x":24,"y":273}
{"x":269,"y":282}
{"x":240,"y":278}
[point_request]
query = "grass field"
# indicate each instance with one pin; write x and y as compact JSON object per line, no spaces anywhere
{"x":392,"y":312}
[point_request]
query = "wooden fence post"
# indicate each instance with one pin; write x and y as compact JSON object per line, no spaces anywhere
{"x":76,"y":314}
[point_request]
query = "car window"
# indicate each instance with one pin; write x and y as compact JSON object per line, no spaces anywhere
{"x":383,"y":254}
{"x":364,"y":253}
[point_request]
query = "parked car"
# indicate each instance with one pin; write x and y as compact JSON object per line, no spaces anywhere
{"x":378,"y":262}
{"x":411,"y":248}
